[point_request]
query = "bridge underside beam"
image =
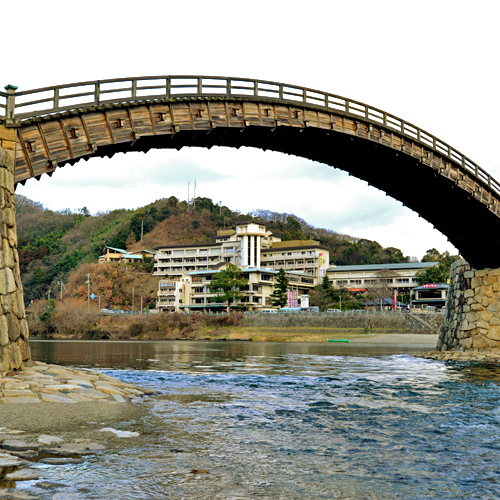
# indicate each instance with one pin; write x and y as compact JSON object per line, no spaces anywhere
{"x":459,"y":204}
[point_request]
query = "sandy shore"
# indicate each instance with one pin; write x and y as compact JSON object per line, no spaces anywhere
{"x":428,"y":341}
{"x":315,"y":334}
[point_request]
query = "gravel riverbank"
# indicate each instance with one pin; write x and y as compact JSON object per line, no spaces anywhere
{"x":55,"y":415}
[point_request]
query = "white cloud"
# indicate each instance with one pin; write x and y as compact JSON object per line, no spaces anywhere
{"x":378,"y":53}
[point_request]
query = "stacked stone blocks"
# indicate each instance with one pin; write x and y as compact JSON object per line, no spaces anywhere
{"x":14,"y":347}
{"x":472,"y":317}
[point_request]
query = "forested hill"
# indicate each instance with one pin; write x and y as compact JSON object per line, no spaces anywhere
{"x":53,"y":244}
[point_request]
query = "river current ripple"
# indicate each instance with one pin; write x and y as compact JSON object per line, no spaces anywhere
{"x":302,"y":425}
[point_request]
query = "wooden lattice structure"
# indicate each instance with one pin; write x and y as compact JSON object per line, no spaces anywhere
{"x":66,"y":123}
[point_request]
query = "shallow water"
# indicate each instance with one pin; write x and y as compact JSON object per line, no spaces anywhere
{"x":291,"y":421}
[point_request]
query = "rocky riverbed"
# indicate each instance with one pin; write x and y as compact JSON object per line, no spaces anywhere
{"x":468,"y":356}
{"x":52,"y":415}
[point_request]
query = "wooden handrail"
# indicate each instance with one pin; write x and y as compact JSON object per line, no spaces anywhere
{"x":98,"y":92}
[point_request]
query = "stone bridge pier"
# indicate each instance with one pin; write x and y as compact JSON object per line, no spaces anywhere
{"x":472,"y":317}
{"x":14,"y":348}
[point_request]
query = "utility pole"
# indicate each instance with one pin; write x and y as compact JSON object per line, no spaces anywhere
{"x":194,"y":195}
{"x":142,"y":296}
{"x":49,"y":294}
{"x":188,"y":195}
{"x":61,"y":284}
{"x":88,"y":291}
{"x":133,"y":290}
{"x":142,"y":229}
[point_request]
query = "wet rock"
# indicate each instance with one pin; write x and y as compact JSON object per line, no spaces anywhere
{"x":120,"y":434}
{"x":22,"y":475}
{"x":72,"y":449}
{"x":25,"y":454}
{"x":48,"y":485}
{"x":16,"y":445}
{"x":61,"y":461}
{"x":48,"y":439}
{"x":199,"y":471}
{"x":8,"y":460}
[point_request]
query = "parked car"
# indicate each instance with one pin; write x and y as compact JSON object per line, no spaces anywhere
{"x":268,"y":311}
{"x":333,"y":311}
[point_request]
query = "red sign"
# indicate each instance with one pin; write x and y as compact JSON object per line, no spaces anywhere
{"x":356,"y":289}
{"x":430,"y":285}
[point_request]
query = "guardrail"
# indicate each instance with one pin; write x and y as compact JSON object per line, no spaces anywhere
{"x":49,"y":100}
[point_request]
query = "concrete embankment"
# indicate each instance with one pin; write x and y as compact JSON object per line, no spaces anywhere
{"x":381,"y":322}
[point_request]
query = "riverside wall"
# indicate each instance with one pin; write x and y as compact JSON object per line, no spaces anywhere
{"x":396,"y":322}
{"x":472,"y":317}
{"x":14,"y":347}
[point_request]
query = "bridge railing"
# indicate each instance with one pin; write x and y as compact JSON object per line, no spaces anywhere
{"x":50,"y":100}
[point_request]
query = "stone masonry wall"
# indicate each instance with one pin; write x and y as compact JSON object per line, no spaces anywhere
{"x":14,"y":347}
{"x":472,"y":317}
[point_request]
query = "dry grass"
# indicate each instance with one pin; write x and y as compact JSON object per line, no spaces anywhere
{"x":73,"y":320}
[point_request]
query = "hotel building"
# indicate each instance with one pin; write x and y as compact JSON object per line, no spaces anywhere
{"x":187,"y":270}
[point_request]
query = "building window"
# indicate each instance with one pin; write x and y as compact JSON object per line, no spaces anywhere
{"x":229,"y":250}
{"x":266,"y":277}
{"x":403,"y":280}
{"x":178,"y":252}
{"x":203,"y":251}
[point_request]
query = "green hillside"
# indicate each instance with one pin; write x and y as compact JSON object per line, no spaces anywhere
{"x":52,"y":245}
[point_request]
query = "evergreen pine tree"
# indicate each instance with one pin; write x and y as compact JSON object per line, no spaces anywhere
{"x":279,"y":297}
{"x":226,"y":284}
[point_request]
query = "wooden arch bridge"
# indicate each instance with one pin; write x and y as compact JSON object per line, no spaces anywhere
{"x":63,"y":124}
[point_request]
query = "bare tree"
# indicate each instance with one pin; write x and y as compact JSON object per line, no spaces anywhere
{"x":380,"y":287}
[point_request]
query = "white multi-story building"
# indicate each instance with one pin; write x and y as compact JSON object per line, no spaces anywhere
{"x":250,"y":245}
{"x":187,"y":270}
{"x":357,"y":279}
{"x":192,"y":293}
{"x":307,"y":257}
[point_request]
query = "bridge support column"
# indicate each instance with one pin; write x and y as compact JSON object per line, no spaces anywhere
{"x":14,"y":347}
{"x":472,"y":317}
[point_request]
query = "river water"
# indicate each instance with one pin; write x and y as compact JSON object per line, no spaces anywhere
{"x":292,"y":421}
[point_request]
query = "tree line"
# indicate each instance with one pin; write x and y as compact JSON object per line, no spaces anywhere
{"x":53,"y":244}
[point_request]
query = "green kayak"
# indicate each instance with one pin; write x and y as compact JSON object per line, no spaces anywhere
{"x":338,"y":340}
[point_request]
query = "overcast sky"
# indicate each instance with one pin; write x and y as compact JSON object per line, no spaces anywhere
{"x":432,"y":63}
